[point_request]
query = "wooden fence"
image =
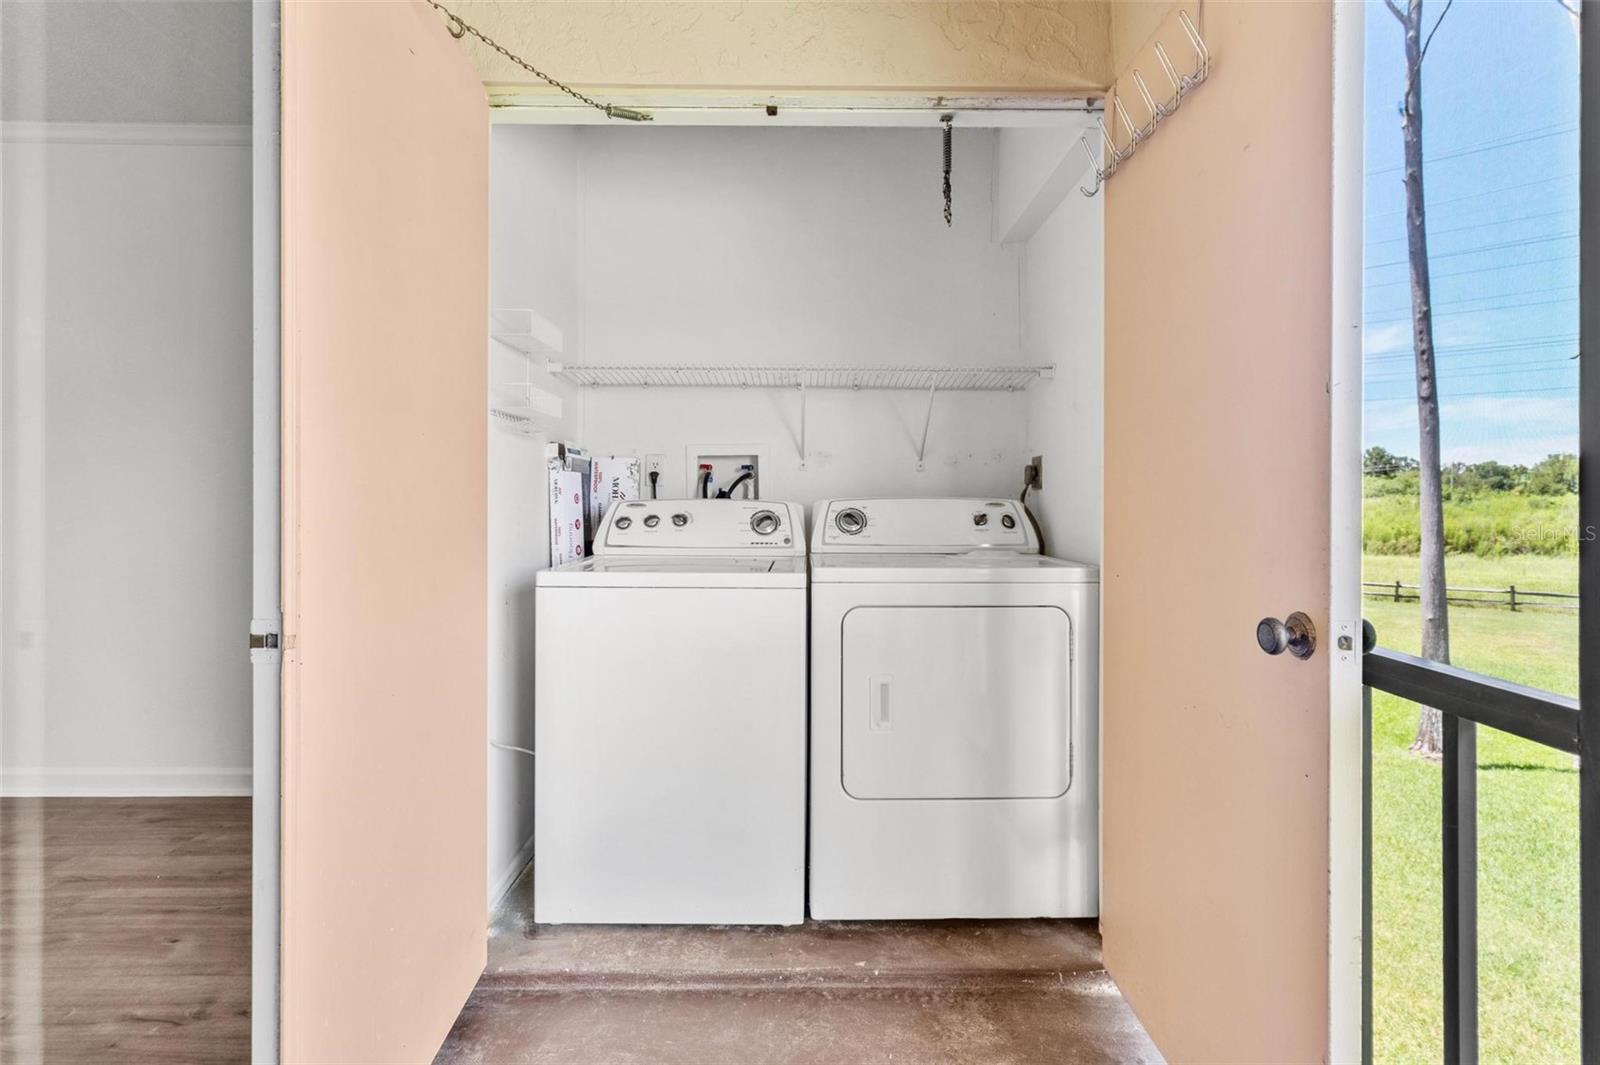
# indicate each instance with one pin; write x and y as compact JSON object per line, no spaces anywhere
{"x":1511,"y":596}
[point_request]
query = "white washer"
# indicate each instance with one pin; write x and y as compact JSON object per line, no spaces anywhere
{"x":954,"y":715}
{"x":670,"y":719}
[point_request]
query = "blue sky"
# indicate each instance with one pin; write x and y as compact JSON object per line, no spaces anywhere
{"x":1500,"y":151}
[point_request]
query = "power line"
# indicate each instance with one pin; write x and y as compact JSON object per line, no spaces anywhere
{"x":1537,"y":290}
{"x":1489,"y":345}
{"x":1473,"y":310}
{"x":1370,"y":285}
{"x":1511,"y":141}
{"x":1457,"y":353}
{"x":1502,"y":245}
{"x":1552,"y":366}
{"x":1466,"y":395}
{"x":1464,"y":360}
{"x":1433,"y":205}
{"x":1432,"y":232}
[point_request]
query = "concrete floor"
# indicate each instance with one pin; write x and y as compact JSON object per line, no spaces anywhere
{"x":820,"y":993}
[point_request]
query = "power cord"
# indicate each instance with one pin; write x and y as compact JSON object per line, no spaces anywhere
{"x":1030,"y":479}
{"x":655,"y":475}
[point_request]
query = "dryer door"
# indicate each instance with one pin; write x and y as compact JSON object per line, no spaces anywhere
{"x":957,"y":702}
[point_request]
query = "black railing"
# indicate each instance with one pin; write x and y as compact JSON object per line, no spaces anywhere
{"x":1465,"y":700}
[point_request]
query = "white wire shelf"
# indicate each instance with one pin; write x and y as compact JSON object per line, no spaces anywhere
{"x":909,"y":378}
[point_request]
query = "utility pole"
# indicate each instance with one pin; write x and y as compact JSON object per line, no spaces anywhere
{"x":1430,"y":503}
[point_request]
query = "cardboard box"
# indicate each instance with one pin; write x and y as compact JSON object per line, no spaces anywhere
{"x":612,"y":479}
{"x":566,"y":515}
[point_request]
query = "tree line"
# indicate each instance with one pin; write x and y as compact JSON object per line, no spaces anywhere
{"x":1391,"y":474}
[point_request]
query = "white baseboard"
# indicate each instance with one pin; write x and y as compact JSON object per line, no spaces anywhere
{"x":121,"y":783}
{"x":508,"y":875}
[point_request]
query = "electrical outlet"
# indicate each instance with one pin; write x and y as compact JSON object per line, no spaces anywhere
{"x":652,"y":464}
{"x":1038,"y":473}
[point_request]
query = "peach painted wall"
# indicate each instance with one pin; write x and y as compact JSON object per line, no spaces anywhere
{"x":385,"y":258}
{"x":862,"y":46}
{"x":1217,"y":423}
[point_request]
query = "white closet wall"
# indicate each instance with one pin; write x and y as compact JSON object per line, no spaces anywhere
{"x":533,"y":247}
{"x":789,"y":246}
{"x":1064,"y":296}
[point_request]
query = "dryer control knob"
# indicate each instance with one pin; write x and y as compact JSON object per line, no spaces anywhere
{"x":980,"y":518}
{"x":1008,"y":521}
{"x":652,"y":520}
{"x":624,"y":522}
{"x":764,"y":522}
{"x":850,"y":521}
{"x":680,"y":519}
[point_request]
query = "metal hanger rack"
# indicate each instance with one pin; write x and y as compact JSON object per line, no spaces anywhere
{"x":929,"y":379}
{"x":1110,"y":157}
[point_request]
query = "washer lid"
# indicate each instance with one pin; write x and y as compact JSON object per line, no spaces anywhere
{"x":676,"y":571}
{"x":973,"y":567}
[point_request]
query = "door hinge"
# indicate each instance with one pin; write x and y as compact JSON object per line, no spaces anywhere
{"x":263,"y":641}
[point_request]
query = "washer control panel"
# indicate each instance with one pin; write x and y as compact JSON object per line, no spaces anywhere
{"x":921,"y":526}
{"x":702,"y":526}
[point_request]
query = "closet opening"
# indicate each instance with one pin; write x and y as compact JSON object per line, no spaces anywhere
{"x":734,"y":318}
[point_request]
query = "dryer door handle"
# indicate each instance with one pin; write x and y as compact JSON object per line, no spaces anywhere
{"x":880,"y":717}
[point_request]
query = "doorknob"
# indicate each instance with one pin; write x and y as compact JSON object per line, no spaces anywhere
{"x":1295,"y":634}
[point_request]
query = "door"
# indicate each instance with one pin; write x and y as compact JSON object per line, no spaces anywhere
{"x":384,"y":274}
{"x":957,"y":702}
{"x":1221,"y":405}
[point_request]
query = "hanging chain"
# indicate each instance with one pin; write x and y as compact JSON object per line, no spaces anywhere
{"x":947,"y":119}
{"x":459,"y":28}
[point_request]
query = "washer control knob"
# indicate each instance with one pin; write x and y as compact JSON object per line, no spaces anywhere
{"x":625,"y":522}
{"x":764,"y":522}
{"x":680,"y":519}
{"x":652,"y":520}
{"x":980,"y":519}
{"x":850,"y":521}
{"x":1008,"y":521}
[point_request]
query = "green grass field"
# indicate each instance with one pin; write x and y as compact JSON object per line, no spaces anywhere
{"x":1527,"y":832}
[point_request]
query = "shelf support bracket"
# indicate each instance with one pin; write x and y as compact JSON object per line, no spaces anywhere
{"x":927,"y":420}
{"x":802,"y":424}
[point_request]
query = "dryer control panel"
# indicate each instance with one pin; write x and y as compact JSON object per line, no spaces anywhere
{"x":702,"y":527}
{"x":921,"y":526}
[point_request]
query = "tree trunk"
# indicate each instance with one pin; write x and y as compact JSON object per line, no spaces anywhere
{"x":1435,"y":609}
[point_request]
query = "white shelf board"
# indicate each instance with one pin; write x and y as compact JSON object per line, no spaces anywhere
{"x":526,"y":330}
{"x":912,"y":378}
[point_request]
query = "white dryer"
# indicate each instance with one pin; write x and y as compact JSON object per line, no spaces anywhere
{"x":954,"y":715}
{"x":670,"y":719}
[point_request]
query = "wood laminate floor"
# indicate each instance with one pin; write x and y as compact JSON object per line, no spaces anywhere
{"x":125,"y":930}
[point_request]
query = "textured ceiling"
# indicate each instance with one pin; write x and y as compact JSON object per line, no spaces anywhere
{"x":130,"y":61}
{"x":973,"y":46}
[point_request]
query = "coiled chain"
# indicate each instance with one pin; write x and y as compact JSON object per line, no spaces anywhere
{"x":947,"y":119}
{"x":459,"y":28}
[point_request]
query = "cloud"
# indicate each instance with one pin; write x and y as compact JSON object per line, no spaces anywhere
{"x":1508,"y":428}
{"x":1394,"y":338}
{"x":1385,"y":337}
